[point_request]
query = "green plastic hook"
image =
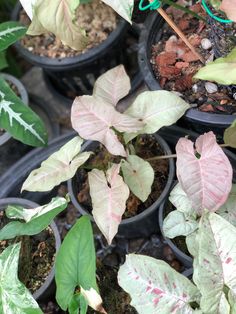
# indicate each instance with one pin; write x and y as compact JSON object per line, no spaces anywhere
{"x":156,"y":4}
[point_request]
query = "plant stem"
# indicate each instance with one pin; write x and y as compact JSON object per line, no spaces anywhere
{"x":182,"y":8}
{"x":174,"y":155}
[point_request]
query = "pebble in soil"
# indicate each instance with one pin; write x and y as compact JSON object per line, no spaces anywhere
{"x":36,"y":256}
{"x":174,"y":64}
{"x":97,"y":19}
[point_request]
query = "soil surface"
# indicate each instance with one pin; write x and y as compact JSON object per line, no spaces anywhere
{"x":36,"y":256}
{"x":175,"y":65}
{"x":97,"y":19}
{"x":146,"y":147}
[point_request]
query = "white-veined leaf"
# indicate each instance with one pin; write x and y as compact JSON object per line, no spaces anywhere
{"x":10,"y":32}
{"x":60,"y":166}
{"x":109,"y":194}
{"x":155,"y":287}
{"x":138,"y":175}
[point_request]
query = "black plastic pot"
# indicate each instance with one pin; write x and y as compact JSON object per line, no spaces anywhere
{"x":198,"y":121}
{"x":23,"y":95}
{"x":46,"y":288}
{"x":47,"y":114}
{"x":145,"y":223}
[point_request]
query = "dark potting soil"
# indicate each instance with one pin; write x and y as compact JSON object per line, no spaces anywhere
{"x":36,"y":256}
{"x":175,"y":65}
{"x":97,"y":19}
{"x":146,"y":147}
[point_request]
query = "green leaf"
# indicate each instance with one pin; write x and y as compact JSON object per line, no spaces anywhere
{"x":230,"y":135}
{"x":10,"y":32}
{"x":58,"y":17}
{"x":19,"y":120}
{"x":176,"y":224}
{"x":155,"y":287}
{"x":78,"y":304}
{"x":156,"y":109}
{"x":38,"y":222}
{"x":215,"y":263}
{"x":228,"y":210}
{"x":75,"y":262}
{"x":123,"y":7}
{"x":181,"y":202}
{"x":222,"y":70}
{"x":14,"y":297}
{"x":60,"y":166}
{"x":138,"y":175}
{"x":3,"y":60}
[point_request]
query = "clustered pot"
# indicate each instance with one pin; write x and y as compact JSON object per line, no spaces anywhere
{"x":144,"y":223}
{"x":198,"y":121}
{"x":47,"y":288}
{"x":23,"y":95}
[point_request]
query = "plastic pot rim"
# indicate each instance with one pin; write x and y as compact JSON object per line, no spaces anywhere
{"x":23,"y":95}
{"x":150,"y":209}
{"x":193,"y":115}
{"x":29,"y":204}
{"x":58,"y":64}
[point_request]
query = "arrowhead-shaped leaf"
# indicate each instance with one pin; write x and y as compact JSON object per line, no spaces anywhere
{"x":222,"y":70}
{"x":155,"y":287}
{"x":176,"y":224}
{"x":228,"y":210}
{"x":181,"y":201}
{"x":58,"y":17}
{"x":138,"y":175}
{"x":156,"y":109}
{"x":19,"y":120}
{"x":230,"y":135}
{"x":109,"y":194}
{"x":59,"y":167}
{"x":14,"y":297}
{"x":229,"y":7}
{"x":10,"y":32}
{"x":112,"y":86}
{"x":75,"y":262}
{"x":207,"y":180}
{"x":93,"y":119}
{"x":123,"y":7}
{"x":215,"y":263}
{"x":35,"y":222}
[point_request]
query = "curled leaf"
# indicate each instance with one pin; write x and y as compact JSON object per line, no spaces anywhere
{"x":94,"y":299}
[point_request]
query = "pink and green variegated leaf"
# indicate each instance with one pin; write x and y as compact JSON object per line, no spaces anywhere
{"x":206,"y":179}
{"x":229,"y":7}
{"x":112,"y":86}
{"x":155,"y":287}
{"x":109,"y":194}
{"x":215,"y":263}
{"x":93,"y":120}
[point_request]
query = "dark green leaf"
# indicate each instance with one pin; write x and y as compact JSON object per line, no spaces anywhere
{"x":76,"y":262}
{"x":36,"y":224}
{"x":14,"y":297}
{"x":3,"y":60}
{"x":19,"y":120}
{"x":10,"y":32}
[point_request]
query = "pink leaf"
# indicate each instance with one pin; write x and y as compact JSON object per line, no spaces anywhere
{"x":229,"y":7}
{"x":112,"y":85}
{"x":93,"y":119}
{"x":109,"y":194}
{"x":206,"y":180}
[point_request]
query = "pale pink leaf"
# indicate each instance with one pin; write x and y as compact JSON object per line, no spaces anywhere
{"x":109,"y":194}
{"x":207,"y":180}
{"x":112,"y":85}
{"x":93,"y":120}
{"x":229,"y":7}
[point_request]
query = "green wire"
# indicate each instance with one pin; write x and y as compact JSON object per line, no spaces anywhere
{"x":209,"y":12}
{"x":156,"y":4}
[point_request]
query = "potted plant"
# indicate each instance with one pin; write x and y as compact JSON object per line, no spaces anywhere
{"x":30,"y":238}
{"x":95,"y":118}
{"x":15,"y":117}
{"x":167,"y":63}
